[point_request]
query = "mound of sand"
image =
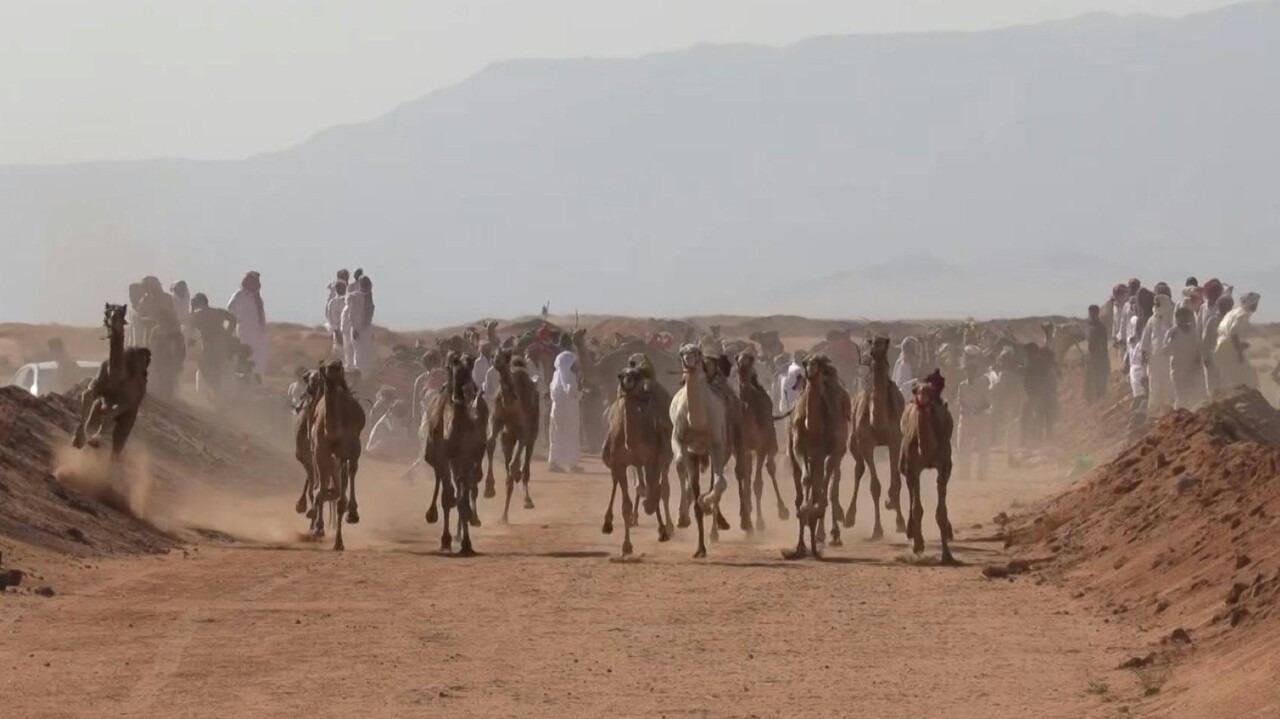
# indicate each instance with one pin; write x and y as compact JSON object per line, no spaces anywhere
{"x":79,"y":502}
{"x":1182,"y":528}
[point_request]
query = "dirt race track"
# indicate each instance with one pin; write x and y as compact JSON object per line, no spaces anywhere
{"x":544,"y":623}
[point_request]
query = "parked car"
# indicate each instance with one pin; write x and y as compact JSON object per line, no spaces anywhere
{"x":39,"y":377}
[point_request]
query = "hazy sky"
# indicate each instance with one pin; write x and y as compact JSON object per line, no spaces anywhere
{"x":113,"y":79}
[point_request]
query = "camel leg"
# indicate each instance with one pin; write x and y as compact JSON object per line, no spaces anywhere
{"x":93,"y":424}
{"x":682,"y":474}
{"x":633,"y":517}
{"x":341,"y":479}
{"x":757,"y":487}
{"x":353,"y":509}
{"x":627,"y":510}
{"x":837,"y":515}
{"x":877,"y":532}
{"x":121,"y":430}
{"x":87,"y":401}
{"x":772,"y":467}
{"x":692,"y":471}
{"x":655,"y":478}
{"x":528,"y":461}
{"x":303,"y":456}
{"x":513,"y":451}
{"x":801,"y":551}
{"x":432,"y":514}
{"x":859,"y":470}
{"x":742,"y":472}
{"x":489,"y":446}
{"x":916,"y":517}
{"x":666,"y":500}
{"x":466,"y":508}
{"x":895,"y":483}
{"x":324,"y":468}
{"x":607,"y":528}
{"x":447,"y":500}
{"x":944,"y":521}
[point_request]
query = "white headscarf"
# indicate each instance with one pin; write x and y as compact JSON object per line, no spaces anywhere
{"x":565,"y":379}
{"x":1161,"y":322}
{"x":1236,"y":320}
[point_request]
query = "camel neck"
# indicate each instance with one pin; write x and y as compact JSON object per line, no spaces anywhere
{"x":115,"y":356}
{"x":695,"y":383}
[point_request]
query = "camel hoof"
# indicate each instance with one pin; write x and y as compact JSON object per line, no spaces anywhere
{"x":714,"y":536}
{"x":607,"y":528}
{"x":760,"y":523}
{"x":797,"y":553}
{"x":338,"y":546}
{"x":877,"y":533}
{"x":311,"y":513}
{"x":466,"y":551}
{"x":902,"y":526}
{"x":301,"y":506}
{"x":446,"y":545}
{"x":489,"y":492}
{"x":94,"y":443}
{"x":890,"y":505}
{"x":783,"y":514}
{"x":683,"y":523}
{"x":917,"y":546}
{"x":948,"y":560}
{"x":318,"y":533}
{"x":432,"y":515}
{"x":353,"y":516}
{"x":836,"y":541}
{"x":626,"y":549}
{"x":505,"y":520}
{"x":528,"y":503}
{"x":474,"y":521}
{"x":664,"y":535}
{"x":701,"y":553}
{"x":745,"y":525}
{"x":722,"y":524}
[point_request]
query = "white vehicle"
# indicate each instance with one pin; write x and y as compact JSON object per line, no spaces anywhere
{"x":39,"y":377}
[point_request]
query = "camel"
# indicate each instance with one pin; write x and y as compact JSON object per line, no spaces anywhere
{"x":302,"y":413}
{"x":814,"y":449}
{"x":927,"y":428}
{"x":718,"y":369}
{"x":877,"y":415}
{"x":658,"y":396}
{"x":337,"y":419}
{"x":634,"y":440}
{"x":515,"y":424}
{"x":759,"y":437}
{"x":455,"y":447}
{"x":769,"y":342}
{"x":699,"y":437}
{"x":113,"y":397}
{"x":1061,"y":338}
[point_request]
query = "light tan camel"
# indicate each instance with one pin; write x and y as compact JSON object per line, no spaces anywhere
{"x":455,"y":447}
{"x":927,"y":428}
{"x":113,"y":397}
{"x":337,"y":419}
{"x":515,"y":424}
{"x":758,"y":434}
{"x":698,"y":438}
{"x":719,"y":367}
{"x":633,"y":441}
{"x":812,"y":450}
{"x":838,"y":444}
{"x":877,"y":422}
{"x":302,"y":415}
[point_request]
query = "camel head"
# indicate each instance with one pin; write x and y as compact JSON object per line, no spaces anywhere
{"x":880,"y":348}
{"x":113,"y":317}
{"x":720,"y":366}
{"x":332,"y":375}
{"x":313,"y":381}
{"x":630,"y":379}
{"x":502,"y":359}
{"x":818,"y":368}
{"x":691,"y":357}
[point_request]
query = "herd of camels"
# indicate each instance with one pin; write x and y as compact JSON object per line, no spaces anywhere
{"x":697,"y":429}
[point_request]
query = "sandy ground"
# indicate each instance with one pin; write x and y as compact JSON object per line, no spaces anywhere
{"x":546,"y":624}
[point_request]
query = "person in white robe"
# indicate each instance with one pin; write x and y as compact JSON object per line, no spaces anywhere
{"x":565,"y":435}
{"x":333,"y":318}
{"x":1234,"y":368}
{"x":1154,"y":340}
{"x":904,"y":369}
{"x":251,"y":320}
{"x":181,"y":303}
{"x":1186,"y":361}
{"x":792,"y":383}
{"x":357,"y":329}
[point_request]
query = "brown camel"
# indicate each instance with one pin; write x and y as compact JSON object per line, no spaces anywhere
{"x":698,"y":439}
{"x":657,"y":395}
{"x":634,"y":440}
{"x":927,"y":428}
{"x":877,"y":422}
{"x":515,"y":424}
{"x":719,"y":367}
{"x":455,"y":447}
{"x":813,"y":449}
{"x":337,"y":419}
{"x":758,"y":434}
{"x":113,"y":397}
{"x":302,"y":414}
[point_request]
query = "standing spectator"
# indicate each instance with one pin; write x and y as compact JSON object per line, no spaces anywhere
{"x":251,"y":320}
{"x":565,"y":434}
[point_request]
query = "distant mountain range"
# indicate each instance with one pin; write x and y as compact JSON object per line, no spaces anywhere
{"x":1015,"y":171}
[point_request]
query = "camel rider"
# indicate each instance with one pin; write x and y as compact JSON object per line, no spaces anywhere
{"x":251,"y":320}
{"x":565,"y":435}
{"x":333,"y":317}
{"x":155,"y":308}
{"x":214,"y":328}
{"x":974,"y":398}
{"x":484,"y":363}
{"x":1234,"y":368}
{"x":779,"y":374}
{"x":392,"y":438}
{"x":382,"y":402}
{"x":793,"y":383}
{"x":298,"y":388}
{"x":904,"y":369}
{"x":428,"y":384}
{"x":181,"y":303}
